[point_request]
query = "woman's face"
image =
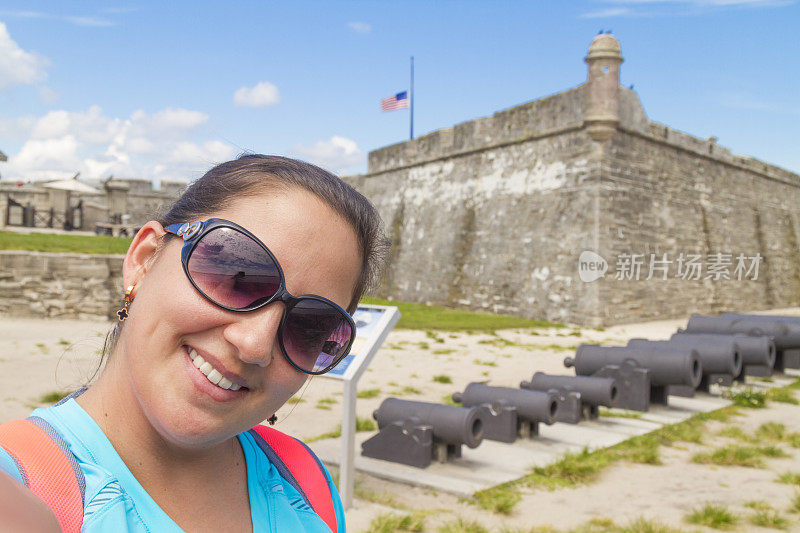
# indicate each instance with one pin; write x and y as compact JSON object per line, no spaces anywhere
{"x":170,"y":322}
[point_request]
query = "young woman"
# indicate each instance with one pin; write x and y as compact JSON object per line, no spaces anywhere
{"x":238,"y":294}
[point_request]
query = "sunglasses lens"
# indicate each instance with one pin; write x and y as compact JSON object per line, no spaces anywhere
{"x":232,"y":270}
{"x":315,"y":334}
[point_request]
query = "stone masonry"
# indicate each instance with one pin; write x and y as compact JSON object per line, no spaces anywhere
{"x":38,"y":284}
{"x":493,"y":214}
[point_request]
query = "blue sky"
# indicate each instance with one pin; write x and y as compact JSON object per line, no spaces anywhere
{"x":163,"y":90}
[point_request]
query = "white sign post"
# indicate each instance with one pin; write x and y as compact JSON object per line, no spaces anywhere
{"x":373,"y":324}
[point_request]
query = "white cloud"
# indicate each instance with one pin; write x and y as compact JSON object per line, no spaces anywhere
{"x":609,"y":12}
{"x":359,"y":27}
{"x":262,"y":94}
{"x":18,"y":67}
{"x":93,"y":22}
{"x":335,"y":154}
{"x":169,"y":144}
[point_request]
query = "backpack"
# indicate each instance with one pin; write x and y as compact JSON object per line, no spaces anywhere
{"x":50,"y":471}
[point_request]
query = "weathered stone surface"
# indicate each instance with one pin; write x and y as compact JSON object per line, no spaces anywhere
{"x":59,"y":285}
{"x":494,"y":213}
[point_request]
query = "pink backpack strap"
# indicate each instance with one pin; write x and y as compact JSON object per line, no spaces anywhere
{"x":47,"y":467}
{"x":301,"y":468}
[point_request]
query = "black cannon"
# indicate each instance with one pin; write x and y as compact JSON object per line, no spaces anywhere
{"x":414,"y":433}
{"x":721,"y":361}
{"x":514,"y":412}
{"x":784,"y":331}
{"x":755,"y":351}
{"x":678,"y":365}
{"x":592,"y":391}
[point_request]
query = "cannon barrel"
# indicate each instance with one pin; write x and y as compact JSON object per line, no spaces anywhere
{"x":593,"y":390}
{"x":668,"y":366}
{"x":717,"y":357}
{"x":784,"y":334}
{"x":754,"y":350}
{"x":533,"y":406}
{"x":791,"y":336}
{"x":454,"y":425}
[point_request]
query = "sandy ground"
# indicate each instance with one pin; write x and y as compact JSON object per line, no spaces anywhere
{"x":41,"y":356}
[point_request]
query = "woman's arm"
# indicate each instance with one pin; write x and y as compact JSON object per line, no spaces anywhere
{"x":21,"y":510}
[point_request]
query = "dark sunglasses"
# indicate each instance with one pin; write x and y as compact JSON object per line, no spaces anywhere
{"x":234,"y":270}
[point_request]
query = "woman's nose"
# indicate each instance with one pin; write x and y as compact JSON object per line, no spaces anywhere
{"x":255,"y":334}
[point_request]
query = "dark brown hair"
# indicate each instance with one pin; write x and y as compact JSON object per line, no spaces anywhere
{"x":251,"y":175}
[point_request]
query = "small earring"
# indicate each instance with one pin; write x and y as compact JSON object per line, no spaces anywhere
{"x":123,"y":313}
{"x":272,"y":420}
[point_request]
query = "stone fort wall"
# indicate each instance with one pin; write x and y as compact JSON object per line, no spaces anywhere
{"x":494,"y":213}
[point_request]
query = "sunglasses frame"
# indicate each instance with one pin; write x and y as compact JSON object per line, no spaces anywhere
{"x":193,"y":233}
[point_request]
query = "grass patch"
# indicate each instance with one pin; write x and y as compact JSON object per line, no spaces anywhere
{"x":618,"y":413}
{"x":368,"y":393}
{"x":782,"y":396}
{"x":444,"y":351}
{"x":53,"y":397}
{"x":435,"y":337}
{"x":462,"y":526}
{"x":365,"y":424}
{"x":42,"y":347}
{"x":500,"y":499}
{"x":47,"y":242}
{"x":484,"y":363}
{"x":442,"y":379}
{"x":769,"y":518}
{"x":713,"y":516}
{"x":431,"y":317}
{"x":735,"y":432}
{"x":369,"y":495}
{"x":405,"y":391}
{"x":735,"y":455}
{"x":362,"y":424}
{"x":747,"y":397}
{"x":325,"y":403}
{"x":295,"y":400}
{"x":791,"y":478}
{"x":448,"y":400}
{"x":771,"y":431}
{"x":388,"y":523}
{"x":795,"y":503}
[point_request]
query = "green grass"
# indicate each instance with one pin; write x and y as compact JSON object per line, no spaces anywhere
{"x":431,"y":317}
{"x":368,"y":393}
{"x":791,"y":478}
{"x":47,"y":242}
{"x":747,"y":398}
{"x":713,"y":516}
{"x":442,"y":379}
{"x":782,"y":395}
{"x":735,"y":455}
{"x":388,"y":523}
{"x":771,"y":431}
{"x":462,"y":526}
{"x":500,"y":499}
{"x":325,"y":403}
{"x":295,"y":400}
{"x":795,"y":503}
{"x":405,"y":391}
{"x":769,"y":518}
{"x":444,"y":351}
{"x":362,"y":424}
{"x":618,"y":413}
{"x":448,"y":400}
{"x":484,"y":363}
{"x":53,"y":397}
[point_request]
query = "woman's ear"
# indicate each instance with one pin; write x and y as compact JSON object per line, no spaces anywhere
{"x":141,"y":253}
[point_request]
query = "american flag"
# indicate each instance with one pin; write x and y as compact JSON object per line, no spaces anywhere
{"x":396,"y":101}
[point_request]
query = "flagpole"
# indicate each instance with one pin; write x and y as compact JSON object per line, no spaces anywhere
{"x":412,"y":99}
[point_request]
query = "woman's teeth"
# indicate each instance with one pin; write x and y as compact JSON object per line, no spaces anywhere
{"x":212,"y":374}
